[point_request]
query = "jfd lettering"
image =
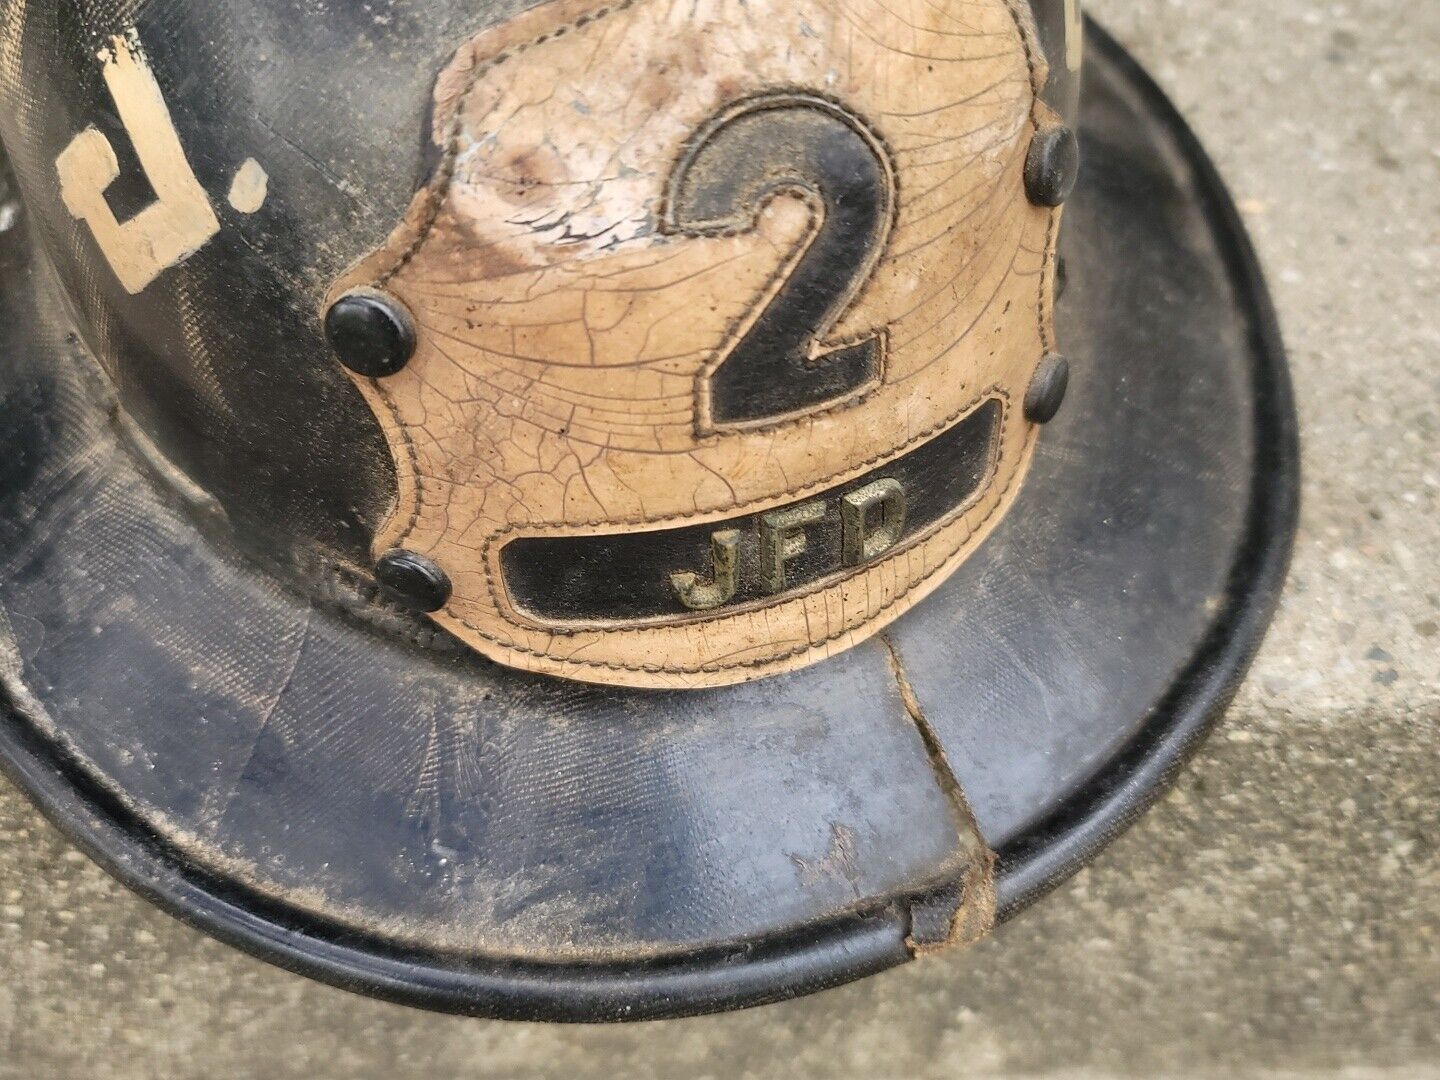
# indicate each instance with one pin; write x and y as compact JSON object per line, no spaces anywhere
{"x":872,"y":520}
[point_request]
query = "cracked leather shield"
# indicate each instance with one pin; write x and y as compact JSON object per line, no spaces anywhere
{"x":724,"y":322}
{"x":601,"y":510}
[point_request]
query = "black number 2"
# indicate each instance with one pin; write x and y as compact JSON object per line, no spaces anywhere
{"x":782,"y":365}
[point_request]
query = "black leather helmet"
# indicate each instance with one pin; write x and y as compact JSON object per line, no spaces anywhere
{"x":564,"y":509}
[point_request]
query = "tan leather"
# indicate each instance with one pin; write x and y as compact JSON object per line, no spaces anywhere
{"x":565,"y":333}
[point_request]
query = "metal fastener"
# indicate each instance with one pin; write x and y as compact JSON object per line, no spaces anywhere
{"x":371,"y":332}
{"x":1051,"y":166}
{"x":413,"y":580}
{"x":1047,"y":389}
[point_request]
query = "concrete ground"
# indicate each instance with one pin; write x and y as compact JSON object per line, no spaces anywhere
{"x":1277,"y":915}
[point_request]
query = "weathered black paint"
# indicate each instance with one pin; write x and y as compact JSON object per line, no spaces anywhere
{"x":250,"y":755}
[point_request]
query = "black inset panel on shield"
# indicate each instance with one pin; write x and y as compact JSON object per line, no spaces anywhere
{"x":627,"y":575}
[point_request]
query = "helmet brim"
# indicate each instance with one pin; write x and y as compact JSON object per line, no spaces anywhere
{"x":442,"y":831}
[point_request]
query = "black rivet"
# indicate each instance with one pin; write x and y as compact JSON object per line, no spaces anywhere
{"x":1062,"y":276}
{"x":413,"y":580}
{"x":1047,"y":389}
{"x":1051,"y":166}
{"x":371,"y":333}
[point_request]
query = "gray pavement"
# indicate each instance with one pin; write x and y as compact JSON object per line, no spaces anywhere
{"x":1277,"y":915}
